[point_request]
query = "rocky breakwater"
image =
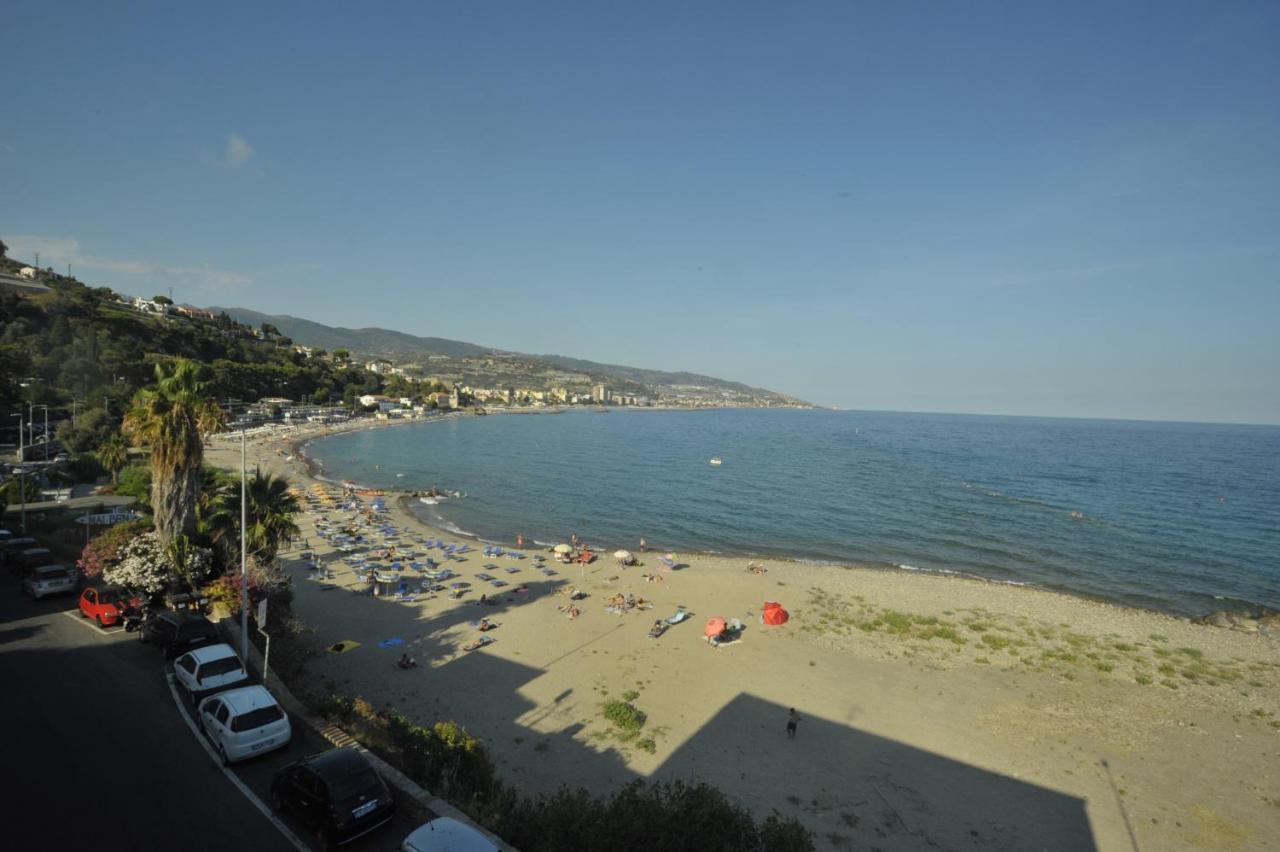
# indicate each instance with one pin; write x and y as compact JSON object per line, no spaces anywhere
{"x":1263,"y":621}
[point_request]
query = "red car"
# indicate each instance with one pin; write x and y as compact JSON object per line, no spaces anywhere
{"x":106,"y":604}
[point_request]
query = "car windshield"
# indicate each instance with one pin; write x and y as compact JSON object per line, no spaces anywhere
{"x":53,"y":572}
{"x":111,"y":595}
{"x":219,"y":667}
{"x":352,"y":785}
{"x":257,"y":718}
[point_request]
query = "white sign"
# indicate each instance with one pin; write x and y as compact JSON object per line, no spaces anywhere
{"x":262,"y":614}
{"x":107,"y":518}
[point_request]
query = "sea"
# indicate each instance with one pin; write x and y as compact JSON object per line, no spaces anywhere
{"x":1182,"y":518}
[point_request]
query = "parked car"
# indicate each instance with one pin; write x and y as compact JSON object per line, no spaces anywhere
{"x":10,"y":549}
{"x":243,"y":723}
{"x":5,"y":535}
{"x":337,"y":794}
{"x":177,"y":632}
{"x":45,"y":580}
{"x":210,"y":669}
{"x":445,"y":834}
{"x":105,"y":604}
{"x":31,"y":557}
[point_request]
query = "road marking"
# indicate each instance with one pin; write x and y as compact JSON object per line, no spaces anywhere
{"x":226,"y":770}
{"x":74,"y":615}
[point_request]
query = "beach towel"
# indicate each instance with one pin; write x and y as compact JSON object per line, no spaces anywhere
{"x":657,"y":630}
{"x":343,"y":647}
{"x":478,"y":643}
{"x":390,"y":643}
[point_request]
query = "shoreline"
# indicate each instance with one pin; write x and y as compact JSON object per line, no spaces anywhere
{"x":1234,"y":610}
{"x":910,"y":684}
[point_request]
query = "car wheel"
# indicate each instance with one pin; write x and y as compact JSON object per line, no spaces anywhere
{"x":98,"y":619}
{"x":222,"y":755}
{"x":82,"y":614}
{"x":277,"y":801}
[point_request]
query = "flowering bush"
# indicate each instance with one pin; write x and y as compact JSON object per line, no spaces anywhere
{"x":104,"y":551}
{"x":270,"y":583}
{"x":142,"y":565}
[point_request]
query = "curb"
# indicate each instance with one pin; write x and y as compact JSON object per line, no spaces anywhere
{"x":341,"y":739}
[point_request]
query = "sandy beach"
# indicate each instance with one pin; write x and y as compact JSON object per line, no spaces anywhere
{"x":934,"y":711}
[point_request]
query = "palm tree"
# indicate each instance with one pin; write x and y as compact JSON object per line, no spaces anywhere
{"x":172,"y":417}
{"x":270,"y":508}
{"x":114,"y":455}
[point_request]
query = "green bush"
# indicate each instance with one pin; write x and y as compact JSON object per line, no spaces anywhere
{"x":624,"y":716}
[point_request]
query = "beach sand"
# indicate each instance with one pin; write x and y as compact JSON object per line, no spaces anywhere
{"x":935,"y":711}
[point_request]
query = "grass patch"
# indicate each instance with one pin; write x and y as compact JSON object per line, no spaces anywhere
{"x":944,"y":632}
{"x":1169,"y":684}
{"x":630,"y":695}
{"x":998,"y":643}
{"x":1143,"y":678}
{"x":982,"y":661}
{"x":647,"y":745}
{"x":624,"y":716}
{"x":1157,"y":637}
{"x":1104,"y":666}
{"x":1193,"y":653}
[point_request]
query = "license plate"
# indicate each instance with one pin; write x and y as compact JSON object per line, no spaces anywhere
{"x":367,"y":807}
{"x":262,"y":744}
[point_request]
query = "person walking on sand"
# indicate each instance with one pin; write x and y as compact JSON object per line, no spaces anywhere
{"x":793,"y":718}
{"x":520,"y":540}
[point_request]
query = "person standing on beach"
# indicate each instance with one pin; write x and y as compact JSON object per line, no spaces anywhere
{"x":793,"y":718}
{"x":643,"y":545}
{"x":520,"y":540}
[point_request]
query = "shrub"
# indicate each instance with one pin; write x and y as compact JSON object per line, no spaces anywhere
{"x":104,"y":551}
{"x":624,"y":716}
{"x":142,"y":565}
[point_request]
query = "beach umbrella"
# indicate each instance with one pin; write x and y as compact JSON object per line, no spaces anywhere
{"x":715,"y":626}
{"x":563,"y":548}
{"x":774,"y":614}
{"x":622,"y":554}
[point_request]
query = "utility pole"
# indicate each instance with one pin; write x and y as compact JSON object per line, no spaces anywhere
{"x":22,"y":476}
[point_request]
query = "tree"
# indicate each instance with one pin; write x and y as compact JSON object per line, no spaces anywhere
{"x":172,"y":416}
{"x":269,"y":512}
{"x":341,"y":354}
{"x":162,"y":300}
{"x":114,"y":455}
{"x":269,"y":330}
{"x":4,"y":249}
{"x":91,"y":430}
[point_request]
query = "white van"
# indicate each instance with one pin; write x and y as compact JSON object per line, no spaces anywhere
{"x":207,"y":670}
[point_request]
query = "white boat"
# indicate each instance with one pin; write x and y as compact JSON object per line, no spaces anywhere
{"x":716,"y":460}
{"x":430,"y":501}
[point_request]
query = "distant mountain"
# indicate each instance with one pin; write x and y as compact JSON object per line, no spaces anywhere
{"x":454,"y":360}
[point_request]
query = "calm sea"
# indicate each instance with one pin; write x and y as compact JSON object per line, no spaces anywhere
{"x":1178,"y":517}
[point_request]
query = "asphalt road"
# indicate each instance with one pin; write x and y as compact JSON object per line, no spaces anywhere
{"x":97,"y":755}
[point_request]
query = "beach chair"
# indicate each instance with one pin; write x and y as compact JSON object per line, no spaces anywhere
{"x":667,"y":562}
{"x":497,"y":584}
{"x":485,"y":577}
{"x":679,"y":616}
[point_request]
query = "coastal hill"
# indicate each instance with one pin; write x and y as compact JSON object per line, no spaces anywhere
{"x":482,"y":366}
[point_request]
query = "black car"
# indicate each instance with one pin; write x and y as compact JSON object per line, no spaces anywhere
{"x":336,"y":793}
{"x":178,"y":632}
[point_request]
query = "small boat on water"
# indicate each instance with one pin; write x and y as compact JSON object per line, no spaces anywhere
{"x":717,"y":460}
{"x":430,"y":501}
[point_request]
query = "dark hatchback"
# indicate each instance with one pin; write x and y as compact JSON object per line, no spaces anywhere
{"x":336,"y":793}
{"x":178,"y":632}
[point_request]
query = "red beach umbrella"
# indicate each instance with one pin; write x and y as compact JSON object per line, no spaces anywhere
{"x":774,"y":614}
{"x":715,"y":626}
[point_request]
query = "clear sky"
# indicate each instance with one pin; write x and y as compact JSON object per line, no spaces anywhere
{"x":1024,"y":208}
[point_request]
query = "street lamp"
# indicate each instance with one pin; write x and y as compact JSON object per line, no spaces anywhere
{"x":244,"y":561}
{"x":46,"y":430}
{"x":22,"y":473}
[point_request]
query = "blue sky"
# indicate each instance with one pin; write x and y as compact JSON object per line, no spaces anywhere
{"x":1047,"y":209}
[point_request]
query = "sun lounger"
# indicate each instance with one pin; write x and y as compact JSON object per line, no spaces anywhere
{"x":680,"y":616}
{"x":497,"y":584}
{"x":485,"y":577}
{"x":511,"y":569}
{"x":670,"y":563}
{"x":657,"y":630}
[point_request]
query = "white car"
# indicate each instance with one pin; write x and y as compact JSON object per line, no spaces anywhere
{"x":48,"y":580}
{"x":445,"y":834}
{"x":243,"y":723}
{"x":210,"y":669}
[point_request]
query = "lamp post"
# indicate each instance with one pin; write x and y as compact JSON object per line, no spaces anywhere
{"x":22,"y":473}
{"x":244,"y":560}
{"x":46,"y":430}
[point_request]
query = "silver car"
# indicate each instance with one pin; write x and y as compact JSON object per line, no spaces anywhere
{"x":45,"y":580}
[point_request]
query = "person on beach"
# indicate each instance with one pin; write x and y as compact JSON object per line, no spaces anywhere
{"x":793,"y":718}
{"x":643,"y":544}
{"x":520,"y":540}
